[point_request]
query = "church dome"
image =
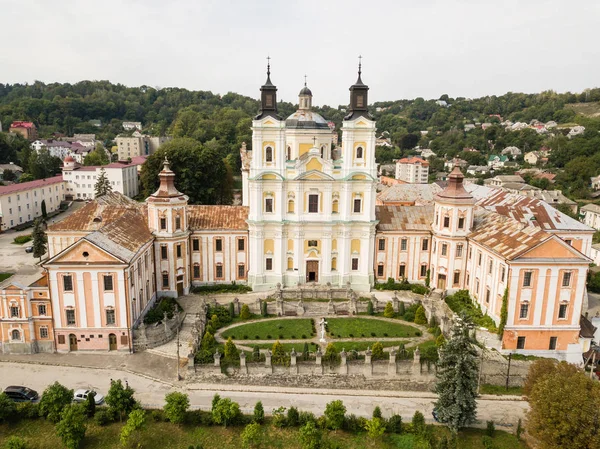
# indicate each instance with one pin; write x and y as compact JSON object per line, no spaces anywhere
{"x":305,"y":91}
{"x":306,"y":119}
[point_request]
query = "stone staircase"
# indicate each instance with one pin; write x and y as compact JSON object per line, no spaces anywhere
{"x":169,"y":349}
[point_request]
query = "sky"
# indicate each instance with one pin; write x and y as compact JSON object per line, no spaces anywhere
{"x":410,"y":49}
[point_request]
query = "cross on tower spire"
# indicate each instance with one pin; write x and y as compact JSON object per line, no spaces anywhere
{"x":305,"y":80}
{"x":359,"y":64}
{"x":268,"y":65}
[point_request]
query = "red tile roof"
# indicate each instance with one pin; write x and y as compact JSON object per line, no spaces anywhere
{"x":217,"y":217}
{"x":413,"y":160}
{"x":22,"y":125}
{"x":14,"y":188}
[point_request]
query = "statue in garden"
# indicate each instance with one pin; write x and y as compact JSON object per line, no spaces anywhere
{"x":322,"y":323}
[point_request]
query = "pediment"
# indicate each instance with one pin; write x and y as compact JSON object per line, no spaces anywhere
{"x":553,"y":248}
{"x":314,"y":175}
{"x":83,"y":252}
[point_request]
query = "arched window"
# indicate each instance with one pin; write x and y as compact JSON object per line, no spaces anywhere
{"x":334,"y":206}
{"x":359,"y":152}
{"x":290,"y":263}
{"x":289,"y":153}
{"x":323,"y":151}
{"x":15,"y":335}
{"x":291,"y":206}
{"x":334,"y":264}
{"x":269,"y":154}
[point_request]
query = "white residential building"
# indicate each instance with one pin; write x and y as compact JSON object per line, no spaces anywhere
{"x":128,"y":126}
{"x":591,"y":215}
{"x":138,"y":145}
{"x":413,"y":170}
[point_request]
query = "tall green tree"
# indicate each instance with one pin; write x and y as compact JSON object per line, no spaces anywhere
{"x":40,"y":240}
{"x":97,"y":156}
{"x":457,"y":372}
{"x":135,"y":421}
{"x":71,"y":428}
{"x":176,"y":405}
{"x":120,"y":399}
{"x":102,"y":186}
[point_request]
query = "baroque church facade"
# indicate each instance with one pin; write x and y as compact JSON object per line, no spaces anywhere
{"x":309,"y":215}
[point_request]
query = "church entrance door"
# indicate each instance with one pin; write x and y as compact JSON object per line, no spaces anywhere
{"x":312,"y":271}
{"x":441,"y":281}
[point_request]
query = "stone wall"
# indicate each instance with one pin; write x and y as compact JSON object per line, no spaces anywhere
{"x":148,"y":336}
{"x":26,"y":348}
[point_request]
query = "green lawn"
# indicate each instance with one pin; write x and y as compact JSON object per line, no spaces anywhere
{"x":272,"y":330}
{"x":5,"y":276}
{"x":40,"y":434}
{"x":364,"y":327}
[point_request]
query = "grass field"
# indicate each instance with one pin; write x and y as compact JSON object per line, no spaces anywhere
{"x":40,"y":434}
{"x":4,"y":276}
{"x":589,"y":109}
{"x":272,"y":330}
{"x":339,"y":345}
{"x":364,"y":327}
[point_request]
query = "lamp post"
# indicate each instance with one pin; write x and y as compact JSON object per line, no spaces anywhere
{"x":178,"y":375}
{"x":481,"y":365}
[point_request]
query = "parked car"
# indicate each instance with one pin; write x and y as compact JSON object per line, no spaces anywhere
{"x":21,"y":394}
{"x":29,"y":249}
{"x":434,"y":413}
{"x":81,"y":396}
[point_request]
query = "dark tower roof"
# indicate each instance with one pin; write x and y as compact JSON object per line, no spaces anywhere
{"x":167,"y":187}
{"x":268,"y":98}
{"x":359,"y":98}
{"x":455,"y":189}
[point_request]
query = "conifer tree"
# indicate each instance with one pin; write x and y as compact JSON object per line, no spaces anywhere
{"x":102,"y":186}
{"x":457,"y":378}
{"x":39,"y":238}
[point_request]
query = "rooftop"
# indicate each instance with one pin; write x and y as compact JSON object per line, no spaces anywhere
{"x":15,"y":188}
{"x":217,"y":217}
{"x":419,"y":194}
{"x":404,"y":218}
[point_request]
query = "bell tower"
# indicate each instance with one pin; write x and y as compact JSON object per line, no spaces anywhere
{"x":167,"y":220}
{"x":268,"y":97}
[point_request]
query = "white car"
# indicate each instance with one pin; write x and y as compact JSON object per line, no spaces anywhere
{"x":81,"y":396}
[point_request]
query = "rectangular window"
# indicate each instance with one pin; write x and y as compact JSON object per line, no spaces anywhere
{"x":444,"y":249}
{"x":521,"y":343}
{"x":446,"y":222}
{"x":502,"y":273}
{"x":14,"y":311}
{"x":269,"y":205}
{"x":163,"y":223}
{"x":313,"y":204}
{"x":269,"y":264}
{"x":42,"y":309}
{"x":487,"y":295}
{"x":490,"y":266}
{"x":70,"y":313}
{"x":552,"y":345}
{"x":165,"y":280}
{"x":196,"y":271}
{"x":456,"y":277}
{"x":562,"y":311}
{"x":219,"y":273}
{"x":566,"y":280}
{"x":380,"y":270}
{"x":479,"y":262}
{"x":178,"y":250}
{"x":470,"y":253}
{"x":423,"y":271}
{"x":218,"y":245}
{"x":43,"y":332}
{"x":177,"y":222}
{"x":461,"y":223}
{"x":110,"y":316}
{"x":241,"y":244}
{"x":241,"y":271}
{"x":381,"y":244}
{"x":527,"y":278}
{"x":425,"y":245}
{"x":195,"y":245}
{"x":403,"y":244}
{"x":61,"y":339}
{"x":68,"y":283}
{"x":402,"y":271}
{"x":357,"y":205}
{"x":163,"y":253}
{"x":108,"y":282}
{"x":355,"y":263}
{"x":459,"y":250}
{"x":524,"y":311}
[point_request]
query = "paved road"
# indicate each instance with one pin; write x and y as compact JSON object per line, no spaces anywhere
{"x":151,"y":393}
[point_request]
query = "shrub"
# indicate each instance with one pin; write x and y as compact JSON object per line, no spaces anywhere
{"x":519,"y":430}
{"x":20,"y":240}
{"x":487,"y":442}
{"x":102,"y":417}
{"x":373,"y":334}
{"x":377,"y":412}
{"x":279,"y":419}
{"x":120,"y":399}
{"x":225,"y":412}
{"x":331,"y":354}
{"x":245,"y":312}
{"x":28,"y":410}
{"x":135,"y":421}
{"x":259,"y":413}
{"x":231,"y":351}
{"x":394,"y":424}
{"x":157,"y":415}
{"x":490,"y":428}
{"x":370,"y":310}
{"x":401,"y":308}
{"x":256,"y":354}
{"x":377,"y":353}
{"x":409,"y":316}
{"x":440,"y":341}
{"x":215,"y":400}
{"x":354,"y":424}
{"x":71,"y":428}
{"x":278,"y":357}
{"x":310,"y":436}
{"x":7,"y":408}
{"x":231,"y":310}
{"x":251,"y":435}
{"x":208,"y":341}
{"x":293,"y":417}
{"x":375,"y":427}
{"x":176,"y":405}
{"x":15,"y":442}
{"x":420,"y":317}
{"x":55,"y":398}
{"x":418,"y":423}
{"x":335,"y":412}
{"x":388,"y":312}
{"x":264,"y":308}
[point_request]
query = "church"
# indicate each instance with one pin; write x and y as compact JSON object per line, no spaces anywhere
{"x":309,"y":216}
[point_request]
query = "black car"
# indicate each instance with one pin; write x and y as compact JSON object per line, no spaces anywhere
{"x":21,"y":394}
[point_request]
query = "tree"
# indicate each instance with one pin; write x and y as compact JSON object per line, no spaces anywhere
{"x":54,"y":399}
{"x":15,"y":442}
{"x":370,"y":310}
{"x":97,"y":156}
{"x":44,"y":210}
{"x":40,"y":240}
{"x":120,"y":399}
{"x":310,"y":436}
{"x":375,"y":427}
{"x":278,"y":355}
{"x":457,"y":374}
{"x":331,"y":354}
{"x":251,"y":435}
{"x":89,"y":406}
{"x":537,"y":370}
{"x":259,"y":413}
{"x":245,"y":312}
{"x":176,"y":406}
{"x":136,"y":420}
{"x":9,"y":175}
{"x":377,"y":351}
{"x":388,"y":312}
{"x":420,"y":317}
{"x":71,"y":428}
{"x":208,"y":341}
{"x":7,"y":408}
{"x":231,"y":351}
{"x":565,"y":409}
{"x":305,"y":351}
{"x":418,"y":423}
{"x":102,"y":186}
{"x":503,"y":313}
{"x":42,"y":164}
{"x":377,"y":412}
{"x":226,"y":412}
{"x":335,"y":412}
